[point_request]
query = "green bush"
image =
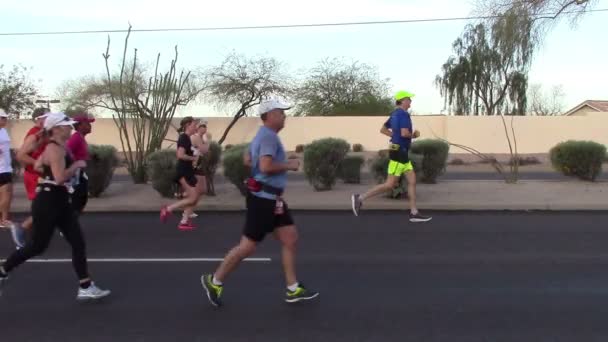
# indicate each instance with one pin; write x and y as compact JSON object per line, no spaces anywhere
{"x":234,"y":168}
{"x":582,"y":159}
{"x":100,"y":168}
{"x":321,"y":161}
{"x":357,"y":148}
{"x":350,"y":169}
{"x":299,"y":148}
{"x":161,"y":172}
{"x":435,"y":153}
{"x":379,"y":166}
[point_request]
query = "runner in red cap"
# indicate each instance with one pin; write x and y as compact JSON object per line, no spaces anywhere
{"x":78,"y":147}
{"x":33,"y":146}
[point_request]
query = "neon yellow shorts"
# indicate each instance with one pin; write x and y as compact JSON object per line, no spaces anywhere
{"x":397,"y":169}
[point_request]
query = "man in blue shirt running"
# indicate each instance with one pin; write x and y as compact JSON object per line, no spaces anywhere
{"x":399,"y":128}
{"x":267,"y":211}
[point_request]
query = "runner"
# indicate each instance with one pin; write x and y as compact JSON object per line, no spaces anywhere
{"x":51,"y":208}
{"x":185,"y":175}
{"x":33,"y":145}
{"x":267,"y":211}
{"x":200,"y":146}
{"x":6,"y":173}
{"x":79,"y":150}
{"x":399,"y":126}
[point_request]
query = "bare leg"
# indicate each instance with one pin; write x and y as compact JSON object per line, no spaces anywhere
{"x":390,"y":183}
{"x":288,"y":236}
{"x":6,"y":195}
{"x":232,"y":260}
{"x":411,"y":191}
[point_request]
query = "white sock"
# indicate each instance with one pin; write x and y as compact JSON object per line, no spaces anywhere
{"x":216,"y":282}
{"x":293,"y":287}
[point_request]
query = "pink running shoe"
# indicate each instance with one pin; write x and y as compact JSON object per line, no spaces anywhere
{"x":186,"y":225}
{"x":164,"y":214}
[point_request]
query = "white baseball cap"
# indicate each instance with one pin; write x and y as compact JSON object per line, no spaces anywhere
{"x":268,"y":105}
{"x":3,"y":113}
{"x":57,"y":119}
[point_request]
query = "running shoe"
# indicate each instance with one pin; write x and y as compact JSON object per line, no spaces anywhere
{"x":92,"y":292}
{"x":419,"y":218}
{"x":193,"y":215}
{"x":186,"y":225}
{"x":214,"y":292}
{"x":356,"y":203}
{"x":164,"y":213}
{"x":300,"y":294}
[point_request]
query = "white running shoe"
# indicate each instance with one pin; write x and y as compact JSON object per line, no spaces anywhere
{"x":92,"y":292}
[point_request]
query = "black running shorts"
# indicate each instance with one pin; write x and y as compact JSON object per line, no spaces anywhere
{"x":261,"y":219}
{"x":6,"y":178}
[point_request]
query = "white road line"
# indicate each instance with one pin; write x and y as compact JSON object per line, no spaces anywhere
{"x":142,"y":260}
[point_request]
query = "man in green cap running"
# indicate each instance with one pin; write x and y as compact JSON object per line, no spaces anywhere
{"x":399,"y":128}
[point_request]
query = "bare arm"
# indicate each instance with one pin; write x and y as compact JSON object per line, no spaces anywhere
{"x":405,"y":132}
{"x":181,"y":154}
{"x":386,"y":131}
{"x":55,"y":156}
{"x":38,"y":165}
{"x":29,"y":145}
{"x":267,"y":165}
{"x":247,"y":158}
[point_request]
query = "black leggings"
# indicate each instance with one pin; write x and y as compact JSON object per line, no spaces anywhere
{"x":52,"y":209}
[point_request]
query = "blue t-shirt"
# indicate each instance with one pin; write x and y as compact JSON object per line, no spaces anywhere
{"x":267,"y":143}
{"x":400,"y":119}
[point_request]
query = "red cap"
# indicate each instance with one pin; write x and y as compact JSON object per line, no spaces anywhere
{"x":83,"y":118}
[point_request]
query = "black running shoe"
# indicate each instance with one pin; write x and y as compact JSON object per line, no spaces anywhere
{"x":213,"y":291}
{"x":300,"y":294}
{"x":419,"y":218}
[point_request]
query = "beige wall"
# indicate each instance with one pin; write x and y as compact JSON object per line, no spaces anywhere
{"x":486,"y":134}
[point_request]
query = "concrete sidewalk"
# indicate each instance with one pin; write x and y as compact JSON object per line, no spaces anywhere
{"x":446,"y":195}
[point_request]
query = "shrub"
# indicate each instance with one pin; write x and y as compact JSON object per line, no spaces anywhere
{"x":299,"y":148}
{"x":234,"y":168}
{"x":161,"y":172}
{"x":379,"y":168}
{"x":350,"y":169}
{"x":321,"y":161}
{"x":435,"y":156}
{"x":100,"y":168}
{"x":357,"y":148}
{"x":582,"y":159}
{"x":228,"y":146}
{"x":15,"y":164}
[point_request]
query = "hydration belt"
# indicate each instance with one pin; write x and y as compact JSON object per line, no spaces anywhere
{"x":42,"y":182}
{"x":255,"y":185}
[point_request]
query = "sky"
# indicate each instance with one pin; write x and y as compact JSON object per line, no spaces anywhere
{"x":409,"y":54}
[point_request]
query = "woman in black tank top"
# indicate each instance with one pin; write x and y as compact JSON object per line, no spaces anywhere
{"x":52,"y":208}
{"x":185,"y":176}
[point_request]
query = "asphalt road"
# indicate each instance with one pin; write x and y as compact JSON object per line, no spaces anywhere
{"x":465,"y":276}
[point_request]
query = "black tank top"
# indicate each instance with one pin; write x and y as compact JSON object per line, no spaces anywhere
{"x":47,"y":173}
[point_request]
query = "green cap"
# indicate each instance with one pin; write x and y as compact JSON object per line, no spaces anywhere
{"x":401,"y":94}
